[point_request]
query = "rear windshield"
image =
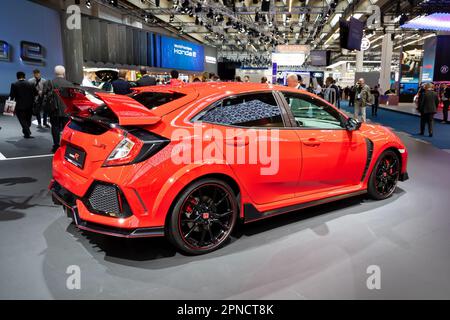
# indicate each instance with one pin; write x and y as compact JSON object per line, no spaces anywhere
{"x":155,"y":99}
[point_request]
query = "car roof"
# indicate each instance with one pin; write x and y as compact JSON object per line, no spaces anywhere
{"x":207,"y":88}
{"x":209,"y":91}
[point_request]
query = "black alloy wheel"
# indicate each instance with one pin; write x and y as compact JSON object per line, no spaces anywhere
{"x":203,"y":217}
{"x":385,"y":175}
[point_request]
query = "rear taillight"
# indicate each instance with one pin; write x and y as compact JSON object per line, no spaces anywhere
{"x":125,"y":152}
{"x":136,"y":146}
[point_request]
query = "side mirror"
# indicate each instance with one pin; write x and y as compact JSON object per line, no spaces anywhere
{"x":353,"y":124}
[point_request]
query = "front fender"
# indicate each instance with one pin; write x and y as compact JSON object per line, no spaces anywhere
{"x":383,"y":139}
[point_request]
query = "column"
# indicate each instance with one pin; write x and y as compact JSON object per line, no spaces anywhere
{"x":386,"y":60}
{"x":72,"y":40}
{"x":359,"y":61}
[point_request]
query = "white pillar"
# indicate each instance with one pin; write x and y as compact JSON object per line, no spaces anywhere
{"x":386,"y":60}
{"x":359,"y":61}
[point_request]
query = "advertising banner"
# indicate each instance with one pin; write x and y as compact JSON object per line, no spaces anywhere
{"x":411,"y":62}
{"x":442,"y":62}
{"x":429,"y":56}
{"x":181,"y":55}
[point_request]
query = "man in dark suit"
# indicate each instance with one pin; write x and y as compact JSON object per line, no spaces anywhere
{"x":54,"y":106}
{"x":121,"y":86}
{"x":428,"y":104}
{"x":23,"y":92}
{"x":146,"y":80}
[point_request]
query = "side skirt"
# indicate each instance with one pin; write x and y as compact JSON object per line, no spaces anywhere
{"x":252,"y":214}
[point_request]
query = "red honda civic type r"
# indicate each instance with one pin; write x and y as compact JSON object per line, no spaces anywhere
{"x":189,"y":162}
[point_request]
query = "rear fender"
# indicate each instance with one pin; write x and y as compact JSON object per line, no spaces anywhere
{"x":182,"y":178}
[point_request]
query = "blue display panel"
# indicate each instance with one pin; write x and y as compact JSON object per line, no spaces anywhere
{"x":429,"y":56}
{"x":181,"y":55}
{"x":5,"y":51}
{"x":33,"y":43}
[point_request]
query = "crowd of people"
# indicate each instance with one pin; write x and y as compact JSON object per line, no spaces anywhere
{"x":359,"y":96}
{"x":36,"y":96}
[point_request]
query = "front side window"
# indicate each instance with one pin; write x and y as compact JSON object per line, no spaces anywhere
{"x":313,"y":113}
{"x":250,"y":110}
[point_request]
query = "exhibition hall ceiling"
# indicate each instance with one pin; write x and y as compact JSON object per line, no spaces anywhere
{"x":255,"y":27}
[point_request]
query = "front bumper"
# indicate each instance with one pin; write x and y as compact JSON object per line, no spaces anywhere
{"x":64,"y":197}
{"x":403,"y":176}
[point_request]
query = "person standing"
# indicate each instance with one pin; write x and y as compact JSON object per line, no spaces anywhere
{"x":263,"y":79}
{"x":340,"y":92}
{"x":174,"y":81}
{"x":38,"y":83}
{"x":53,"y":104}
{"x":351,"y":96}
{"x":205,"y":76}
{"x":23,"y":93}
{"x":293,"y":81}
{"x":246,"y":79}
{"x":376,"y":100}
{"x":427,"y":107}
{"x":88,"y":80}
{"x":331,"y":91}
{"x":446,"y":102}
{"x":145,"y":79}
{"x":361,"y":99}
{"x":121,"y":85}
{"x":346,"y":92}
{"x":317,"y":89}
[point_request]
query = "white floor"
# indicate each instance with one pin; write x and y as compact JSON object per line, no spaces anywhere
{"x":318,"y":253}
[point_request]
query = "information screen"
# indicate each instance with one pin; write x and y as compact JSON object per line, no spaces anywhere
{"x":181,"y":55}
{"x":319,"y":57}
{"x":355,"y":34}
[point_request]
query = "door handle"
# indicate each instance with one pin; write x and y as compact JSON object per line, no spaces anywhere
{"x":311,"y":142}
{"x":238,"y":141}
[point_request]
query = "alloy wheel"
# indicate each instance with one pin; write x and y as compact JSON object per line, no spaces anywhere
{"x":387,"y":174}
{"x":207,"y":216}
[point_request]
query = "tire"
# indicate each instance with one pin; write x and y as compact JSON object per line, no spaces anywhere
{"x":384,"y":177}
{"x":203,"y":217}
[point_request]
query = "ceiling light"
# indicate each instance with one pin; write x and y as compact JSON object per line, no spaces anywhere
{"x":335,"y":19}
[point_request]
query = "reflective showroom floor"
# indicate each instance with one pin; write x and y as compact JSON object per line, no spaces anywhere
{"x":321,"y":252}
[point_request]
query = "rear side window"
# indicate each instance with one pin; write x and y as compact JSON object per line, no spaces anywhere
{"x":155,"y":99}
{"x":250,"y":110}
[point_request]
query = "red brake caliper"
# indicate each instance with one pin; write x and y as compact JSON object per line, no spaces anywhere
{"x":192,"y":202}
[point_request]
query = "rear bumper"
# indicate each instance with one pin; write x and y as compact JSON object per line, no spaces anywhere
{"x":68,"y":200}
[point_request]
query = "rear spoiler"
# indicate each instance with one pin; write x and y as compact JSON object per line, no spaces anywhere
{"x":128,"y":111}
{"x":81,"y":102}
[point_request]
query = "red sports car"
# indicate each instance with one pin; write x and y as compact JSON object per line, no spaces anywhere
{"x":189,"y":162}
